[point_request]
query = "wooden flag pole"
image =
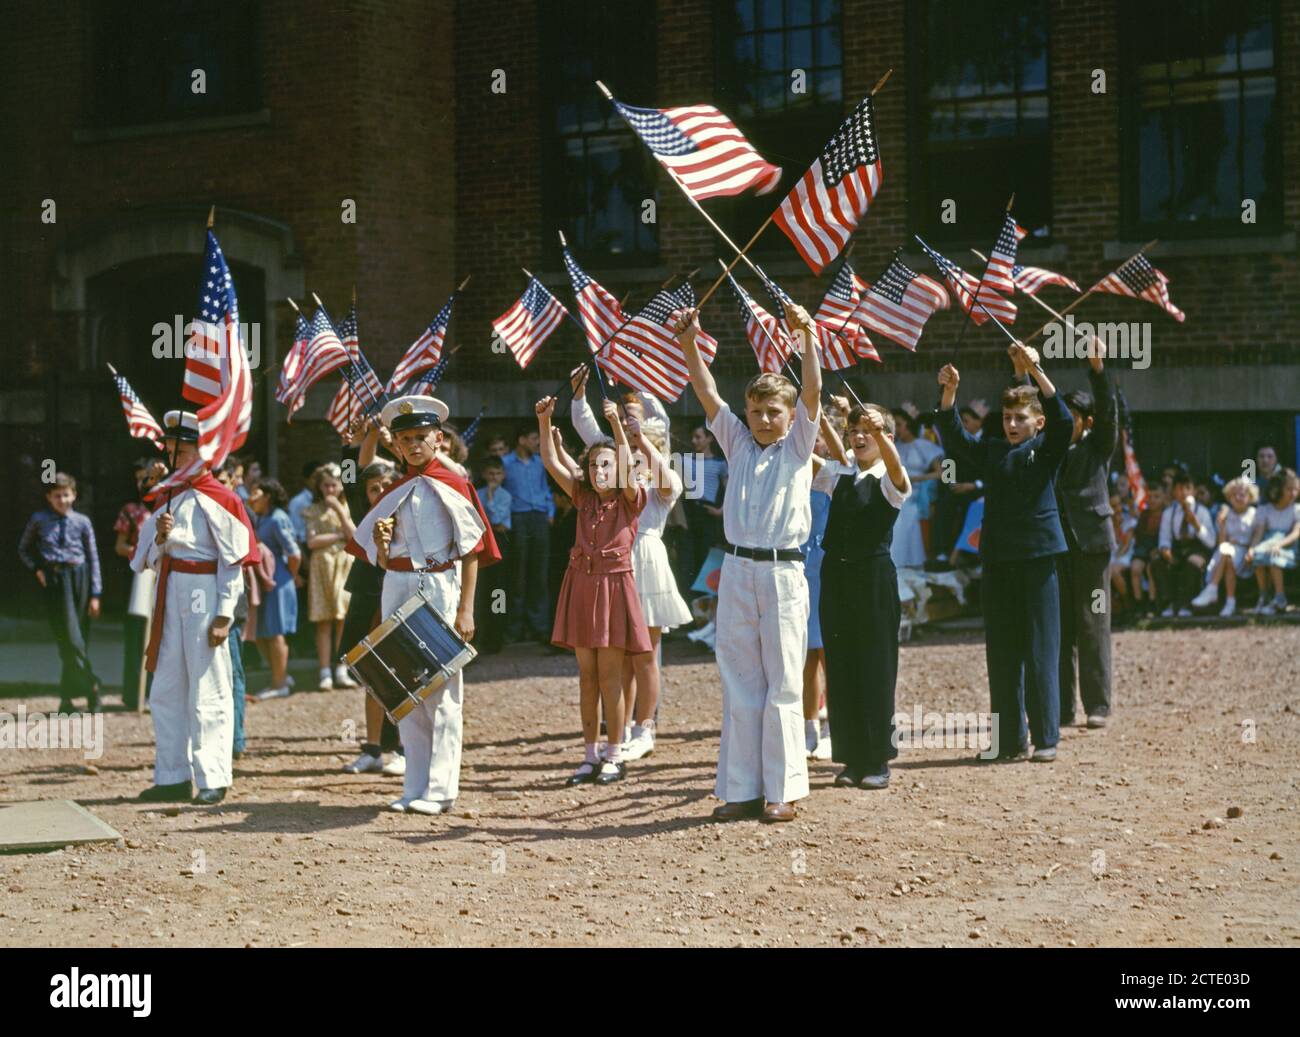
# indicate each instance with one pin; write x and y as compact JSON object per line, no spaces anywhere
{"x":1079,"y":301}
{"x":212,"y":217}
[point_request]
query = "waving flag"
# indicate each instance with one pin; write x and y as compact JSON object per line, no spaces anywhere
{"x":325,"y":353}
{"x":425,"y":351}
{"x":835,"y":352}
{"x":139,"y":422}
{"x":294,"y":360}
{"x":1031,"y":278}
{"x":1132,"y":470}
{"x":361,"y":390}
{"x":1002,"y":259}
{"x":899,"y":303}
{"x":429,"y":382}
{"x":771,"y":342}
{"x":702,"y":149}
{"x":1138,"y":279}
{"x":966,"y":286}
{"x":467,"y":437}
{"x":530,"y":321}
{"x":824,"y":208}
{"x":835,"y":315}
{"x":646,"y":356}
{"x":224,"y":420}
{"x":598,"y":310}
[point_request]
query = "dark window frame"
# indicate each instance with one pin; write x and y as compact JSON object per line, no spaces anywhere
{"x":923,"y":211}
{"x":554,"y":209}
{"x":1132,"y":88}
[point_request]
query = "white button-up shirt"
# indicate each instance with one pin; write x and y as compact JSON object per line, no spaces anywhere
{"x":767,"y":503}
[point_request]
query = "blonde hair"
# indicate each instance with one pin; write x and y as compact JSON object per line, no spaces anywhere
{"x":766,"y":385}
{"x":1241,"y":482}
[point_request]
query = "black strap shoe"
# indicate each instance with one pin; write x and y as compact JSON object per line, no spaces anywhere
{"x":606,"y":777}
{"x":175,"y":793}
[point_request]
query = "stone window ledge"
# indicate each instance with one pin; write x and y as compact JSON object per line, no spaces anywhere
{"x":179,"y":126}
{"x":1223,"y":246}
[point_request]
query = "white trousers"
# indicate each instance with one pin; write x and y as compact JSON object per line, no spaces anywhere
{"x":431,"y":732}
{"x":192,"y":700}
{"x":762,"y":639}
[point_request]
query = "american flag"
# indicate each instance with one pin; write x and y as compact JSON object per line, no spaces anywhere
{"x":702,"y":149}
{"x":139,"y":421}
{"x":834,"y":354}
{"x":294,"y":359}
{"x":835,"y":314}
{"x":598,"y":310}
{"x":324,"y":354}
{"x":1138,"y":279}
{"x":1136,"y":482}
{"x":967,"y":286}
{"x":999,"y":274}
{"x":425,"y":351}
{"x":223,"y":421}
{"x":899,"y":304}
{"x":646,"y":356}
{"x":429,"y":381}
{"x":467,"y":437}
{"x":361,"y":389}
{"x":1031,"y":278}
{"x":825,"y":206}
{"x":771,"y":342}
{"x":530,"y":321}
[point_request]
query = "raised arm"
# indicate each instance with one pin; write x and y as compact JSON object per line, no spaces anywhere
{"x":558,"y":471}
{"x":958,"y":444}
{"x":1105,"y":406}
{"x":624,"y":451}
{"x":833,"y":442}
{"x":685,"y":324}
{"x":661,"y":474}
{"x":888,"y":452}
{"x":580,"y":413}
{"x":811,"y":372}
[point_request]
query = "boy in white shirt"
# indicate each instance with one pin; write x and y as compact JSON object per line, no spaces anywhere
{"x":1186,"y":543}
{"x":762,"y":622}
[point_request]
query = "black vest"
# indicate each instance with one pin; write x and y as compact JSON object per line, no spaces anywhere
{"x":861,"y":522}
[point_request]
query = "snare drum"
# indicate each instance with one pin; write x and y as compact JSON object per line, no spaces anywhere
{"x":408,"y":657}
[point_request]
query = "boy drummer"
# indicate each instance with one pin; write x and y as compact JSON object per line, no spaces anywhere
{"x":429,"y":533}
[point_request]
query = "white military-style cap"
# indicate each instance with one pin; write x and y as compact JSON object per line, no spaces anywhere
{"x":413,"y":412}
{"x":181,"y":424}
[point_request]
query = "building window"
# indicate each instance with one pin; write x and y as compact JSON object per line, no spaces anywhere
{"x":980,"y":116}
{"x":1201,"y":116}
{"x":598,"y":174}
{"x":145,"y":55}
{"x":779,"y":77}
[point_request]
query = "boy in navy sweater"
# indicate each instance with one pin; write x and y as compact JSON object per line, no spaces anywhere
{"x":1021,"y":535}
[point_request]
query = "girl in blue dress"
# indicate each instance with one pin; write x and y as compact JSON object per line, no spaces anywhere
{"x":277,"y":615}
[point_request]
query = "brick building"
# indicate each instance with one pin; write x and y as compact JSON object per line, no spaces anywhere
{"x":468,"y":133}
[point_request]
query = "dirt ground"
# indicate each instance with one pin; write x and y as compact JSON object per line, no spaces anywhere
{"x":1170,"y":827}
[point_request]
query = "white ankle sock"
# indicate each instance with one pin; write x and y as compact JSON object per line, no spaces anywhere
{"x":589,"y":754}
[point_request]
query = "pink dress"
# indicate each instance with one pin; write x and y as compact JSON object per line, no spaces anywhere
{"x":598,"y":605}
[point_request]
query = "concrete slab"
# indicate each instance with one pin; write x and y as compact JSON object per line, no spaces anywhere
{"x":49,"y":824}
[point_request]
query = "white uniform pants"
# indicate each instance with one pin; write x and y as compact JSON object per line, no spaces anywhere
{"x":431,"y":732}
{"x":192,"y":700}
{"x":762,"y":639}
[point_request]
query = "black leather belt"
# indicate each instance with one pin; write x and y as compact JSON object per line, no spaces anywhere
{"x":767,"y":554}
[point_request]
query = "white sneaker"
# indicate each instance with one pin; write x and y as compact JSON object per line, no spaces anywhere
{"x":1229,"y":607}
{"x":396,"y":766}
{"x":704,"y":634}
{"x":1280,"y":604}
{"x":1266,"y":609}
{"x":823,"y":750}
{"x":400,"y":806}
{"x":811,"y":736}
{"x":1167,"y":613}
{"x":427,"y":807}
{"x":642,"y":742}
{"x":326,"y":684}
{"x":282,"y":692}
{"x":343,"y":679}
{"x":1184,"y":613}
{"x":363,"y":764}
{"x":1207,"y":597}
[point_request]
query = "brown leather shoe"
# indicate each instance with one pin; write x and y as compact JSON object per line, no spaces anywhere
{"x":774,"y":812}
{"x":740,"y":811}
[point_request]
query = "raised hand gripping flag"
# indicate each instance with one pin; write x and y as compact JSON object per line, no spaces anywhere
{"x":824,"y":208}
{"x":529,"y":322}
{"x":835,"y":352}
{"x":702,"y":149}
{"x":770,"y":341}
{"x":1138,"y":279}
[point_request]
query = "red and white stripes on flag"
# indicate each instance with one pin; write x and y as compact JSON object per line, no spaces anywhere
{"x":835,"y":318}
{"x":139,"y":422}
{"x":1138,"y":279}
{"x":770,"y":341}
{"x":646,"y":356}
{"x":361,"y":389}
{"x":833,"y":350}
{"x":425,"y":351}
{"x":824,"y":208}
{"x":702,"y":150}
{"x":325,"y":353}
{"x":598,"y":311}
{"x":1031,"y":278}
{"x":1002,"y":259}
{"x":966,"y":287}
{"x":225,"y":419}
{"x":899,"y":303}
{"x":292,"y":367}
{"x":529,"y":322}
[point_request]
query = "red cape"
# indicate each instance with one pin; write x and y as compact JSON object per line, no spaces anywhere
{"x":207,"y":484}
{"x":486,"y":549}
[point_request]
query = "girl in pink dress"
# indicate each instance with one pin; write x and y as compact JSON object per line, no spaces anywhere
{"x":598,"y":613}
